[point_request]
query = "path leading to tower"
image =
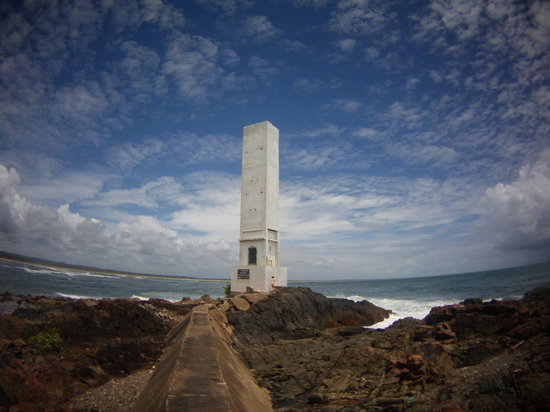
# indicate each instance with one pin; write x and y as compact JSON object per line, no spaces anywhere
{"x":201,"y":372}
{"x":197,"y":383}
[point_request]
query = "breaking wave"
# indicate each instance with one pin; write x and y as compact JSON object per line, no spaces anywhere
{"x":67,"y":272}
{"x":401,"y":308}
{"x":71,"y":296}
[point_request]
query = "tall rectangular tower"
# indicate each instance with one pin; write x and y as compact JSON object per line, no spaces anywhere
{"x":259,"y":250}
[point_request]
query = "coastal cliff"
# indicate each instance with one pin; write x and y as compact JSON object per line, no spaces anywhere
{"x":309,"y":352}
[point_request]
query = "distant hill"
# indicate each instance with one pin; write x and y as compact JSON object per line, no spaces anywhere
{"x":52,"y":263}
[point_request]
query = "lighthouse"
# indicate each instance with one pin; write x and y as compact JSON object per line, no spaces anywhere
{"x":259,"y":266}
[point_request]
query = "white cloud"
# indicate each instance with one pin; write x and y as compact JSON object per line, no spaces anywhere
{"x":226,"y":7}
{"x":165,"y":15}
{"x":344,"y":105}
{"x":356,"y":226}
{"x":128,"y":155}
{"x":70,"y":220}
{"x":464,"y":18}
{"x":314,"y":3}
{"x":322,"y":156}
{"x":50,"y":92}
{"x":66,"y":187}
{"x":412,"y":83}
{"x":312,"y":209}
{"x":143,"y":244}
{"x":294,"y":46}
{"x":210,"y":207}
{"x":381,"y":59}
{"x":346,"y":45}
{"x":13,"y":206}
{"x":423,"y":154}
{"x":370,"y":134}
{"x":517,"y":214}
{"x":362,"y":204}
{"x":183,"y":148}
{"x":80,"y":79}
{"x":192,"y":66}
{"x":357,"y":17}
{"x":131,"y":14}
{"x":139,"y":69}
{"x":307,"y":85}
{"x":159,"y":192}
{"x":258,"y":29}
{"x":326,"y":129}
{"x":83,"y":103}
{"x":263,"y":69}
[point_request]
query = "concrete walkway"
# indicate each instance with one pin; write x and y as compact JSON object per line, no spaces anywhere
{"x":201,"y":372}
{"x":197,"y":383}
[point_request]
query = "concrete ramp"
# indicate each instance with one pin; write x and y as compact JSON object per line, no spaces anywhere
{"x":201,"y":372}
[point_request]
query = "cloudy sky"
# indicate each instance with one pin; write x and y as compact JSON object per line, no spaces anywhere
{"x":415,"y":136}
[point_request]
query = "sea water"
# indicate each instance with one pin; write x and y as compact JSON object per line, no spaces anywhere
{"x":411,"y":297}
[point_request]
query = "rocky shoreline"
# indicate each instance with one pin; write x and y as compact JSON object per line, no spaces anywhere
{"x":100,"y":341}
{"x":475,"y":356}
{"x":310,"y":352}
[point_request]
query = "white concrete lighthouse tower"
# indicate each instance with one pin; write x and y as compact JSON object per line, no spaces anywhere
{"x":259,"y":256}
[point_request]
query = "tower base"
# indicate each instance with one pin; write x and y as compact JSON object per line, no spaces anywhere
{"x":258,"y":278}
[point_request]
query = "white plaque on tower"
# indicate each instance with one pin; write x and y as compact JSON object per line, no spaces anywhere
{"x":259,"y":252}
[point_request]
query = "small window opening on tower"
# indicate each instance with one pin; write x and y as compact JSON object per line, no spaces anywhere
{"x":252,"y":255}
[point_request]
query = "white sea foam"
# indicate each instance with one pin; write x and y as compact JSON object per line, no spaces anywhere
{"x":42,"y":270}
{"x":401,"y":308}
{"x":88,"y":274}
{"x":139,"y":297}
{"x":71,"y":273}
{"x":155,"y":297}
{"x":67,"y":295}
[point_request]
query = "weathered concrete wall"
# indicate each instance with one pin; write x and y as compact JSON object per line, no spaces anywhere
{"x":244,"y":393}
{"x":201,"y":372}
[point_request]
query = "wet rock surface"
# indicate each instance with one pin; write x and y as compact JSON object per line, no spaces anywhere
{"x":101,"y":340}
{"x":475,"y":356}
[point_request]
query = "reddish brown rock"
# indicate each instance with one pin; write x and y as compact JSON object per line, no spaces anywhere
{"x":444,"y":332}
{"x":100,"y":339}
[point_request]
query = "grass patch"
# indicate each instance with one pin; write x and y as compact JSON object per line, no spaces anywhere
{"x":47,"y":341}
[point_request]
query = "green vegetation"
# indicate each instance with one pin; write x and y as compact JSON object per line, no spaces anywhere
{"x":227,"y":291}
{"x":47,"y":341}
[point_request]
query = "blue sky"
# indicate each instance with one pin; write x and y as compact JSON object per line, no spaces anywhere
{"x":414,"y":136}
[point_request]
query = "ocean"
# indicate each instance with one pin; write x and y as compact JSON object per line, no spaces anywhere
{"x":405,"y":297}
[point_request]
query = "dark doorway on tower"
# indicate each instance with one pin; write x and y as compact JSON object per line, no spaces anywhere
{"x":252,"y":255}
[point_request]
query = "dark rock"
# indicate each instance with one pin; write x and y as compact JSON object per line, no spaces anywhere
{"x":206,"y":299}
{"x":423,"y":332}
{"x":316,"y":400}
{"x":297,"y":313}
{"x":406,"y":323}
{"x":443,"y":332}
{"x":538,"y":300}
{"x":349,"y":330}
{"x":472,"y":301}
{"x":476,"y":356}
{"x":4,"y":399}
{"x":452,"y":407}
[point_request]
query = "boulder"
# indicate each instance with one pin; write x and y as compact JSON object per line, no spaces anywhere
{"x":295,"y":313}
{"x":240,"y":303}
